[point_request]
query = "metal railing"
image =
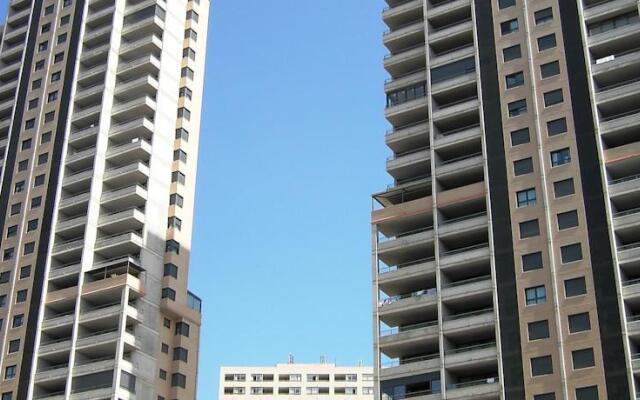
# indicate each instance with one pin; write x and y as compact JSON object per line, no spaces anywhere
{"x":432,"y":292}
{"x":465,"y":249}
{"x":476,"y":279}
{"x":474,"y":347}
{"x":410,"y":360}
{"x":407,"y":328}
{"x":385,"y":269}
{"x":382,"y":238}
{"x":462,"y":385}
{"x":470,"y":314}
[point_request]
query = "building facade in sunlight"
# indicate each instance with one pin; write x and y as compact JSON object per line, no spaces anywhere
{"x":506,"y":252}
{"x":99,"y":123}
{"x":300,"y":381}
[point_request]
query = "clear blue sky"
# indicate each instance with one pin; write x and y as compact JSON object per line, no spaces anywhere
{"x":292,"y":147}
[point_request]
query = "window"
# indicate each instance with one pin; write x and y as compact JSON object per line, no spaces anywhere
{"x":53,"y":96}
{"x":32,"y":225}
{"x":557,"y":127}
{"x":39,"y":65}
{"x":172,"y":246}
{"x":10,"y":372}
{"x":541,"y":366}
{"x":511,"y":53}
{"x":18,"y":187}
{"x":178,"y":380}
{"x":168,"y":293}
{"x":517,"y":108}
{"x":418,"y":90}
{"x":529,"y":229}
{"x":508,"y":27}
{"x":3,"y":300}
{"x":521,"y":136}
{"x":30,"y":123}
{"x":193,"y":15}
{"x":25,"y":271}
{"x":128,"y":381}
{"x":575,"y":287}
{"x":32,"y":104}
{"x":546,"y":42}
{"x":563,"y":188}
{"x":164,"y":348}
{"x":50,"y":116}
{"x":182,"y":134}
{"x":535,"y":295}
{"x":180,"y":155}
{"x":171,"y":270}
{"x":560,"y":157}
{"x":176,"y":199}
{"x":526,"y":198}
{"x":567,"y":220}
{"x":162,"y":374}
{"x":514,"y":80}
{"x":553,"y":97}
{"x":191,"y":34}
{"x":5,"y":276}
{"x":15,"y":208}
{"x":48,"y":10}
{"x":506,"y":3}
{"x":36,"y":84}
{"x":579,"y":323}
{"x":583,"y":358}
{"x":38,"y":181}
{"x":43,"y":158}
{"x":180,"y":354}
{"x":571,"y":253}
{"x":612,"y":23}
{"x":14,"y":346}
{"x":177,"y":176}
{"x":532,"y":261}
{"x":46,"y":137}
{"x":189,"y":53}
{"x":544,"y":15}
{"x":549,"y":69}
{"x":36,"y":202}
{"x":26,"y":144}
{"x":174,"y":222}
{"x":167,"y":323}
{"x":182,"y":328}
{"x":184,"y":113}
{"x":23,"y":165}
{"x":186,"y":73}
{"x":43,"y":46}
{"x":58,"y":57}
{"x":45,"y":28}
{"x":7,"y":395}
{"x":64,"y":20}
{"x":367,"y":390}
{"x":67,"y":3}
{"x":538,"y":330}
{"x":545,"y":396}
{"x":18,"y":320}
{"x":185,"y":92}
{"x":587,"y":393}
{"x":62,"y":38}
{"x":55,"y":76}
{"x":8,"y":254}
{"x":21,"y":296}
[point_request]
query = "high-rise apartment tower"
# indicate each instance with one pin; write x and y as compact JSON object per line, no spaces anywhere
{"x":506,"y":253}
{"x":99,"y":121}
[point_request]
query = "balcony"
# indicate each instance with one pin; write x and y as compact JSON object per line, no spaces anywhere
{"x":98,"y":393}
{"x":92,"y":76}
{"x":408,"y":112}
{"x":402,"y":14}
{"x":468,"y":288}
{"x":406,"y":246}
{"x":485,"y":389}
{"x":131,"y":109}
{"x":629,"y":253}
{"x":406,"y":61}
{"x":75,"y":203}
{"x":54,"y":346}
{"x":97,"y":35}
{"x":92,"y":56}
{"x":78,"y":181}
{"x":100,"y":17}
{"x":68,"y":249}
{"x":460,"y":171}
{"x":475,"y":356}
{"x":119,"y":244}
{"x":405,"y":138}
{"x":408,"y":309}
{"x":52,"y":373}
{"x":130,"y":196}
{"x":136,"y":172}
{"x":451,"y":36}
{"x":409,"y":367}
{"x":84,"y":137}
{"x":89,"y":95}
{"x":64,"y":271}
{"x":606,"y":41}
{"x":86,"y":115}
{"x":130,"y":90}
{"x":141,"y":127}
{"x":603,"y":10}
{"x":148,"y":44}
{"x":137,"y":150}
{"x":396,"y":342}
{"x":460,"y":108}
{"x":72,"y":227}
{"x":121,"y":221}
{"x":81,"y":159}
{"x":146,"y":65}
{"x":409,"y":164}
{"x":93,"y":366}
{"x":404,"y":36}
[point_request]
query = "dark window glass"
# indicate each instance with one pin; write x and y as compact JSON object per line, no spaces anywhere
{"x":32,"y":225}
{"x":549,"y":69}
{"x":18,"y":320}
{"x":521,"y":136}
{"x":544,"y":15}
{"x":15,"y":208}
{"x":541,"y":366}
{"x":182,"y":328}
{"x":36,"y":84}
{"x":506,"y":3}
{"x":26,"y":144}
{"x":529,"y":229}
{"x":176,"y":199}
{"x":545,"y":396}
{"x":517,"y":108}
{"x":567,"y":219}
{"x":14,"y":346}
{"x":39,"y":180}
{"x":23,"y":165}
{"x":406,"y":94}
{"x":168,"y":293}
{"x":511,"y":53}
{"x":538,"y":330}
{"x":532,"y":261}
{"x":177,"y":176}
{"x":43,"y":158}
{"x":535,"y":295}
{"x":172,"y":246}
{"x":180,"y":354}
{"x":46,"y":137}
{"x":191,"y":34}
{"x":182,"y":134}
{"x":613,"y":23}
{"x":571,"y":253}
{"x":563,"y":188}
{"x":583,"y":358}
{"x":18,"y":187}
{"x":587,"y":393}
{"x":128,"y":381}
{"x":508,"y":27}
{"x":453,"y":70}
{"x":552,"y":98}
{"x":36,"y":202}
{"x":575,"y":287}
{"x":193,"y":15}
{"x":62,"y":38}
{"x":164,"y":348}
{"x":524,"y":166}
{"x":25,"y":271}
{"x":5,"y":276}
{"x":174,"y":222}
{"x":58,"y":57}
{"x":546,"y":42}
{"x":48,"y":10}
{"x":162,"y":374}
{"x":65,"y":20}
{"x":514,"y":80}
{"x":526,"y":198}
{"x":557,"y":126}
{"x":21,"y":296}
{"x":39,"y":65}
{"x":171,"y":270}
{"x":178,"y":380}
{"x":32,"y":104}
{"x":579,"y":323}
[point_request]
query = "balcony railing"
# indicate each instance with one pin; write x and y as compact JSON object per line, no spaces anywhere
{"x":410,"y":360}
{"x":432,"y":292}
{"x":385,"y":269}
{"x":462,"y":385}
{"x":407,"y":328}
{"x":384,"y":238}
